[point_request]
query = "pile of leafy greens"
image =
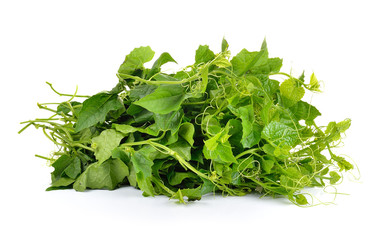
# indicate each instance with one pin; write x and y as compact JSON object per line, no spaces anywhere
{"x":220,"y":125}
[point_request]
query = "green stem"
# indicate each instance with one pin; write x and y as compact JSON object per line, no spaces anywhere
{"x":46,"y":158}
{"x":281,"y":73}
{"x":194,"y":103}
{"x":194,"y":77}
{"x":66,"y":95}
{"x":82,"y":146}
{"x":182,"y":161}
{"x":25,"y":127}
{"x":250,"y":151}
{"x":159,"y":183}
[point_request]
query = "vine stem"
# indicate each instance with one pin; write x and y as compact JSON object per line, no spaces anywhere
{"x":192,"y":78}
{"x":181,"y":160}
{"x":172,"y":153}
{"x":65,"y":95}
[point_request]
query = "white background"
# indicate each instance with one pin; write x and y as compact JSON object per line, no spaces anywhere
{"x":82,"y":43}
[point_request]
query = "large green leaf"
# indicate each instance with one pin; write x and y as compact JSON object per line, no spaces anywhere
{"x":170,"y":121}
{"x":165,"y":99}
{"x":105,"y":143}
{"x":106,"y":175}
{"x":280,"y":134}
{"x":96,"y":108}
{"x":245,"y":60}
{"x":304,"y":111}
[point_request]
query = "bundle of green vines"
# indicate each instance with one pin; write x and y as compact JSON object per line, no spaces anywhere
{"x":223,"y":125}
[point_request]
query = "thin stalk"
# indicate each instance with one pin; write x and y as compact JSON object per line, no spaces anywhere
{"x":65,"y":95}
{"x":159,"y":183}
{"x":194,"y":77}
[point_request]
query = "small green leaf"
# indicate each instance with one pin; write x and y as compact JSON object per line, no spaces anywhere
{"x":136,"y":59}
{"x":291,"y":92}
{"x":225,"y":45}
{"x":186,"y":131}
{"x":334,"y":177}
{"x":125,"y":129}
{"x":314,"y":83}
{"x":267,"y":165}
{"x":142,"y":165}
{"x":300,"y":199}
{"x":203,"y":55}
{"x":163,"y":59}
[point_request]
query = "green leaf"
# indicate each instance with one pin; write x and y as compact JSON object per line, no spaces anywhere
{"x":165,"y":99}
{"x":279,"y":134}
{"x":245,"y":60}
{"x":251,"y":132}
{"x":125,"y":129}
{"x":142,"y":165}
{"x":222,"y":153}
{"x":105,"y":143}
{"x":334,"y":130}
{"x":304,"y":111}
{"x":96,"y":108}
{"x":177,"y":177}
{"x":291,"y":92}
{"x":186,"y":131}
{"x":60,"y":165}
{"x":74,"y":168}
{"x":272,"y":65}
{"x":192,"y":194}
{"x":225,"y":45}
{"x":121,"y":154}
{"x":342,"y":163}
{"x":334,"y":177}
{"x":314,"y":83}
{"x":136,"y":59}
{"x":163,"y":59}
{"x":64,"y":108}
{"x":141,"y":91}
{"x":267,"y":165}
{"x":300,"y":199}
{"x":203,"y":55}
{"x":164,"y":77}
{"x":170,"y":121}
{"x":62,"y":182}
{"x":182,"y":148}
{"x":106,"y":175}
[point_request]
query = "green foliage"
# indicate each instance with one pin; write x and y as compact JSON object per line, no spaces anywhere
{"x":223,"y":124}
